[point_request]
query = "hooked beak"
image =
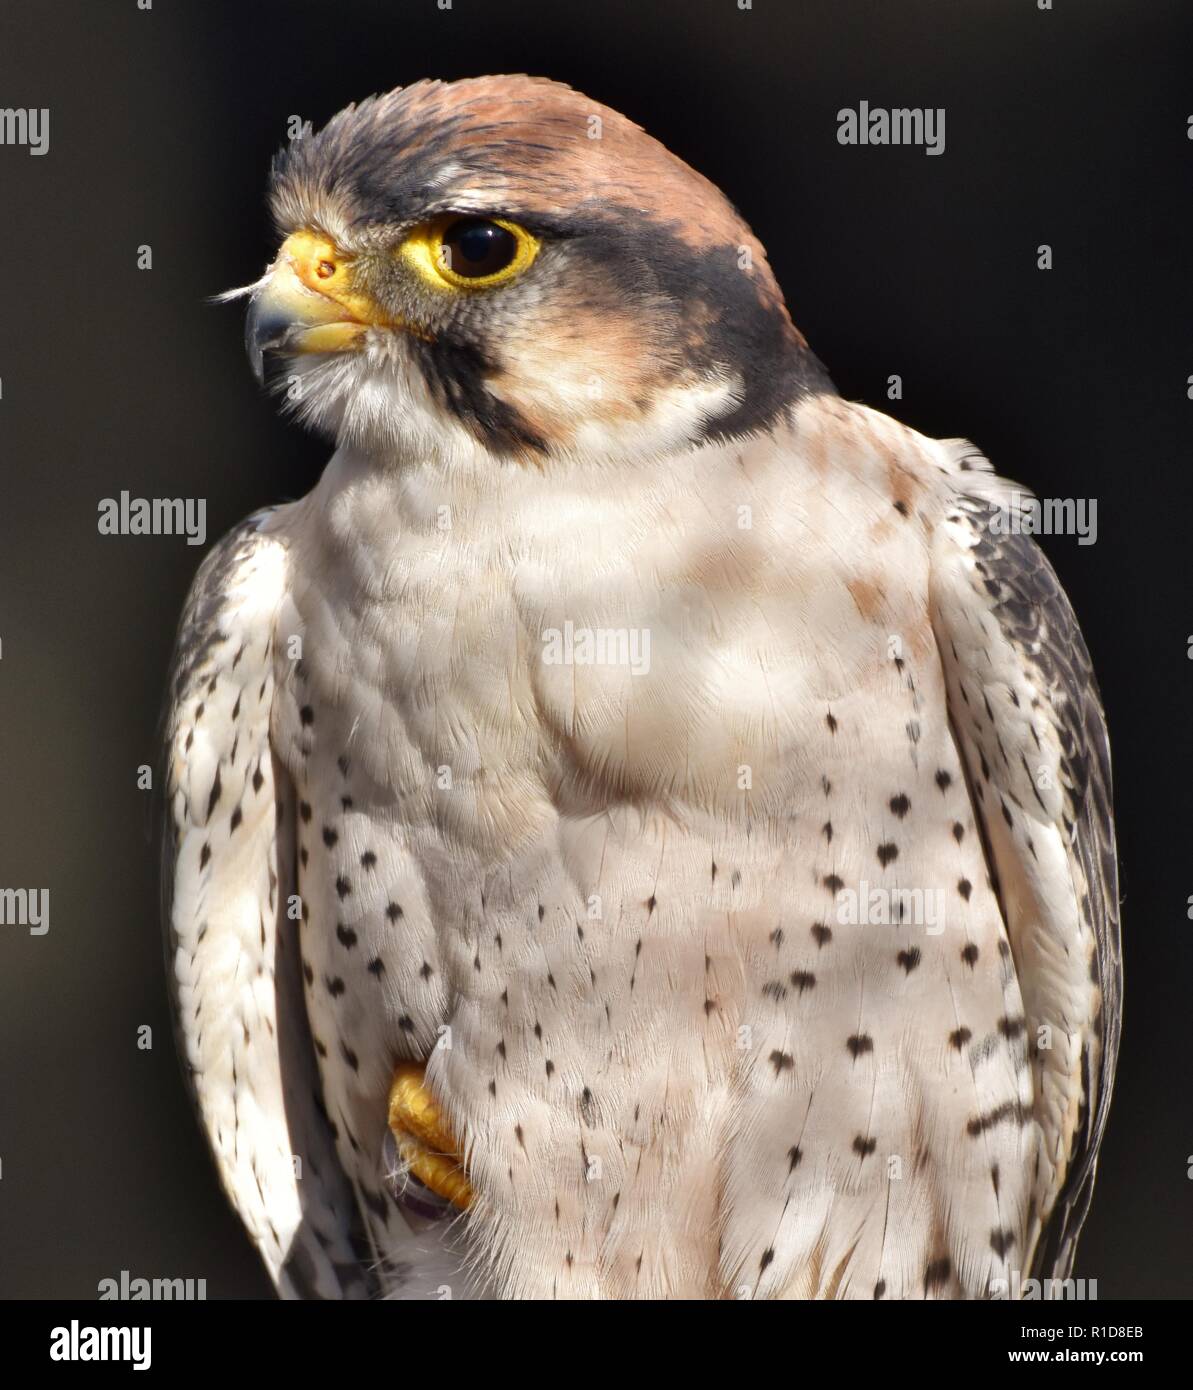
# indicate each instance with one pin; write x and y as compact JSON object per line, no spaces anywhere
{"x":305,"y":303}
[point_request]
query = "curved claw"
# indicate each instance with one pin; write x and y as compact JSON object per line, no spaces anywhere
{"x":425,"y":1143}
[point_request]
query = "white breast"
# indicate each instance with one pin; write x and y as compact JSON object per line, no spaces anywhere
{"x":609,"y":870}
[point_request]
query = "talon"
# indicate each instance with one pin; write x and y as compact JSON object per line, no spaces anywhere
{"x":425,"y":1143}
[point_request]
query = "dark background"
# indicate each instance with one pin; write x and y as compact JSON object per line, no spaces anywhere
{"x":1066,"y":127}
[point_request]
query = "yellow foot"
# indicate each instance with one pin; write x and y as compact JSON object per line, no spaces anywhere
{"x":426,"y":1145}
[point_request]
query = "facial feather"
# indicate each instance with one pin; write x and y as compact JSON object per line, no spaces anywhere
{"x":646,"y":313}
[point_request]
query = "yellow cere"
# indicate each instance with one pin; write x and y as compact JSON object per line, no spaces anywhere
{"x":317,"y":286}
{"x":322,"y":267}
{"x":424,"y":251}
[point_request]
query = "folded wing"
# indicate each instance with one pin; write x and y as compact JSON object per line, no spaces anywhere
{"x":231,"y":931}
{"x":1027,"y":715}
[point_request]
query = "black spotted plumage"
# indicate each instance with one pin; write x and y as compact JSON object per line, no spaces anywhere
{"x":321,"y":1255}
{"x":1033,"y":614}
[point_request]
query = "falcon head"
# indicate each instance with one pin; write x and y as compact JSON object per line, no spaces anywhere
{"x":502,"y":264}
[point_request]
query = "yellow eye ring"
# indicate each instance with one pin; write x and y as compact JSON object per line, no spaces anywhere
{"x":470,"y":243}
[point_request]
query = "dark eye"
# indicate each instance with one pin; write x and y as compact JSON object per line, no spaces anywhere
{"x":474,"y":248}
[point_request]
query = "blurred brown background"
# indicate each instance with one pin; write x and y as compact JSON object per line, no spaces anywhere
{"x":1066,"y":127}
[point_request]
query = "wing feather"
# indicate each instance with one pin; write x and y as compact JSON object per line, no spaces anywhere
{"x":1027,"y":714}
{"x":232,"y":944}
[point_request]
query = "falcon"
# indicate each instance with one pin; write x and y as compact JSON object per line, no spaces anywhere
{"x":533,"y":781}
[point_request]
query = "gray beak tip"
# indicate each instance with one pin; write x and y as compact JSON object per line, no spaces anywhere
{"x":257,"y":363}
{"x":264,"y":329}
